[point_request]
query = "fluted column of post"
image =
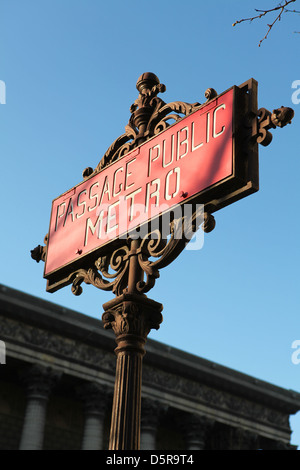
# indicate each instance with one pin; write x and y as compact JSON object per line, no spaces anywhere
{"x":131,"y":317}
{"x":125,"y":424}
{"x":39,"y":382}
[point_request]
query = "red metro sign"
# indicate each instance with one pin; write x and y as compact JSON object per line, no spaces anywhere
{"x":197,"y":160}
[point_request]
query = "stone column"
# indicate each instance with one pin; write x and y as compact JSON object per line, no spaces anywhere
{"x":151,"y":411}
{"x":39,"y":382}
{"x":196,"y":429}
{"x":243,"y":439}
{"x":95,"y":399}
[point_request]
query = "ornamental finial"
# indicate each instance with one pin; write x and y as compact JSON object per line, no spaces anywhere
{"x":147,"y":81}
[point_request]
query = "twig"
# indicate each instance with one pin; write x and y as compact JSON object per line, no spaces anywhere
{"x":280,"y":7}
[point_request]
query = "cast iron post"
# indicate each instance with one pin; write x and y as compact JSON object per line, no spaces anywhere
{"x":131,"y":316}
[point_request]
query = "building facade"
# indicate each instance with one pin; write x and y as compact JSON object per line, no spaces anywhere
{"x":58,"y":378}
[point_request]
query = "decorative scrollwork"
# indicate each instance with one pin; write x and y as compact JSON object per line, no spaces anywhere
{"x":210,"y":94}
{"x":266,"y":120}
{"x":115,"y":282}
{"x":282,"y":116}
{"x":156,"y":251}
{"x":159,"y":118}
{"x":89,"y":276}
{"x":156,"y":246}
{"x":149,"y":116}
{"x":39,"y":252}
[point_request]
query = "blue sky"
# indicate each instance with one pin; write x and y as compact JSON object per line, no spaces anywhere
{"x":70,"y":69}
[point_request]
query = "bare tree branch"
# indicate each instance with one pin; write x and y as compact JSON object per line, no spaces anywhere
{"x":281,"y":8}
